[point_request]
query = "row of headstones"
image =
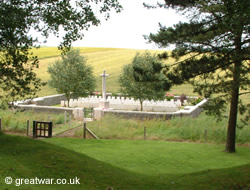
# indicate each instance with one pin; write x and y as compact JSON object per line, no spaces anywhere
{"x":114,"y":98}
{"x":129,"y":107}
{"x":77,"y":103}
{"x":126,"y":104}
{"x":123,"y":100}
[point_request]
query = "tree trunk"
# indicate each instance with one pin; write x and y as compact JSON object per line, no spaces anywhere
{"x":68,"y":102}
{"x":232,"y":122}
{"x":68,"y":99}
{"x":141,"y":102}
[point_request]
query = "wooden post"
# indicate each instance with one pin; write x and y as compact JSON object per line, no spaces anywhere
{"x":205,"y":135}
{"x":65,"y":116}
{"x":145,"y":131}
{"x":0,"y":124}
{"x":50,"y":129}
{"x":34,"y":129}
{"x":69,"y":120}
{"x":84,"y":130}
{"x":28,"y":127}
{"x":48,"y":118}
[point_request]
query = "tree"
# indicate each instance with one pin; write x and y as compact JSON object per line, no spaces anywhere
{"x":212,"y":53}
{"x":19,"y":17}
{"x":143,"y":79}
{"x":72,"y":76}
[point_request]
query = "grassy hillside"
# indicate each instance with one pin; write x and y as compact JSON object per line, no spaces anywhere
{"x":124,"y":165}
{"x":109,"y":59}
{"x":48,"y":52}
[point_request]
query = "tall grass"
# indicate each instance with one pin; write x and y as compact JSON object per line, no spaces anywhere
{"x":177,"y":129}
{"x":16,"y":121}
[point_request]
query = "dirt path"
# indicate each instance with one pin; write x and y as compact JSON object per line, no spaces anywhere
{"x":69,"y":133}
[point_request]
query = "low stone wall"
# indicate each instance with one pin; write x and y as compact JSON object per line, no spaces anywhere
{"x":43,"y":105}
{"x":193,"y":111}
{"x":76,"y":112}
{"x":49,"y":100}
{"x":139,"y":115}
{"x":189,"y":111}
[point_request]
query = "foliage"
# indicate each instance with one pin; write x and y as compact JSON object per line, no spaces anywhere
{"x":19,"y":18}
{"x":72,"y":76}
{"x":3,"y":104}
{"x":115,"y":95}
{"x":196,"y":100}
{"x":143,"y":79}
{"x":110,"y":59}
{"x":169,"y":96}
{"x":182,"y":98}
{"x":212,"y":53}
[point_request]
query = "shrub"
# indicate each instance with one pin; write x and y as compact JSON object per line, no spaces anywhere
{"x":59,"y":119}
{"x":196,"y":100}
{"x":182,"y":98}
{"x":169,"y":96}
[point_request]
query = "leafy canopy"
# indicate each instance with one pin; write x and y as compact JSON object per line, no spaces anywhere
{"x":211,"y":52}
{"x":72,"y":76}
{"x":20,"y":17}
{"x":143,"y":79}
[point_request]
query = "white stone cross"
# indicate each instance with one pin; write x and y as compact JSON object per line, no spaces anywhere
{"x":104,"y":75}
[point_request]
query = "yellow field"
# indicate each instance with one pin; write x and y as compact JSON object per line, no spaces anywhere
{"x":109,"y":59}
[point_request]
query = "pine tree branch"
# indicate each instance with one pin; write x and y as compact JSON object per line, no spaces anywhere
{"x":244,"y":93}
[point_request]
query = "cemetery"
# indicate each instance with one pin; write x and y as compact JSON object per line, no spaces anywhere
{"x":145,"y":143}
{"x":163,"y":105}
{"x":118,"y":105}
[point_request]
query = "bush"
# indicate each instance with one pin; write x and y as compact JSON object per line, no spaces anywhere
{"x":169,"y":96}
{"x":182,"y":98}
{"x":196,"y":100}
{"x":59,"y":119}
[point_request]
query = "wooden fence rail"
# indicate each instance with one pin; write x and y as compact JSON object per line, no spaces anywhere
{"x":86,"y":129}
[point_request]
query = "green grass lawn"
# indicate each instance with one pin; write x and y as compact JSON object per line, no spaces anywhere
{"x":121,"y":164}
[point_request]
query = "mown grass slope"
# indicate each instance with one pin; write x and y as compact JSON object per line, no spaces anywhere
{"x":134,"y":165}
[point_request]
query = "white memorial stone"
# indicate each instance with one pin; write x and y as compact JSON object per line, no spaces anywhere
{"x":104,"y":103}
